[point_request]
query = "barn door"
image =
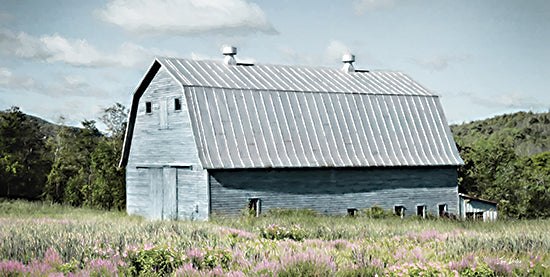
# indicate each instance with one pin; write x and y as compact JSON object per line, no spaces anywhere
{"x":163,"y":182}
{"x":169,"y":206}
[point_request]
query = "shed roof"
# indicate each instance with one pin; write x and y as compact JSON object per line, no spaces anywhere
{"x":466,"y":196}
{"x":265,"y":116}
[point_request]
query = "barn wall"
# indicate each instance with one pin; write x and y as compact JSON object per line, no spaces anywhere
{"x":163,"y":154}
{"x":333,"y":191}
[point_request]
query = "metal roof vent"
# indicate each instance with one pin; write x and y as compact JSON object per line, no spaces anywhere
{"x":229,"y":52}
{"x":348,"y":60}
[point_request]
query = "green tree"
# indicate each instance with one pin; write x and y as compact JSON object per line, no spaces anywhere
{"x":536,"y":179}
{"x":23,"y":159}
{"x":109,"y":186}
{"x":70,"y":180}
{"x":85,"y":170}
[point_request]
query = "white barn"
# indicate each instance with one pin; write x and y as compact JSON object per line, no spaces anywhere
{"x":207,"y":137}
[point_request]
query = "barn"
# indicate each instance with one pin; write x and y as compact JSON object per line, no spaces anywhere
{"x":215,"y":137}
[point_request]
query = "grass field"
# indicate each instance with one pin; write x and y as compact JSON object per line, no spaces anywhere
{"x":40,"y":239}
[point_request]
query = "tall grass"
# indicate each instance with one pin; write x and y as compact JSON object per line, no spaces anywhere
{"x":39,"y":239}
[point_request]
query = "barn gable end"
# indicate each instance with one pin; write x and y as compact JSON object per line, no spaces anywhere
{"x":165,"y":178}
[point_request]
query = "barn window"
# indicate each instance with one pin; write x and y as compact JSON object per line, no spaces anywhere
{"x":442,"y":208}
{"x":254,"y":206}
{"x":148,"y":107}
{"x":421,"y":210}
{"x":352,"y":212}
{"x":399,"y":210}
{"x":177,"y":104}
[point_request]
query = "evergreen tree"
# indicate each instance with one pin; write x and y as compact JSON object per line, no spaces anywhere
{"x":23,"y":159}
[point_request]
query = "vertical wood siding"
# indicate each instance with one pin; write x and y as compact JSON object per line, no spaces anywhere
{"x":474,"y":206}
{"x":157,"y":187}
{"x":335,"y":190}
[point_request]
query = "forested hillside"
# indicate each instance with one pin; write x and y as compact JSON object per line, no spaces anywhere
{"x":507,"y":160}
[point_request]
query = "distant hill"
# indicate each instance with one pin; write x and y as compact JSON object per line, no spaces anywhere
{"x":47,"y":128}
{"x":529,"y":132}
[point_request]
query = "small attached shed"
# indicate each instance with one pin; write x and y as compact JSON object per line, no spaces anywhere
{"x":474,"y":208}
{"x":208,"y":137}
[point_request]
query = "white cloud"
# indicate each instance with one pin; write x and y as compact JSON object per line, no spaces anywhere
{"x":13,"y":81}
{"x":335,"y":51}
{"x":518,"y":100}
{"x":438,"y":63}
{"x":6,"y":17}
{"x":361,"y":6}
{"x":184,"y":17}
{"x":77,"y":52}
{"x":500,"y":101}
{"x":331,"y":55}
{"x":75,"y":81}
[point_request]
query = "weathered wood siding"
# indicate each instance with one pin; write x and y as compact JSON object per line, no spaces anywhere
{"x":466,"y":205}
{"x":333,"y":191}
{"x":164,"y":177}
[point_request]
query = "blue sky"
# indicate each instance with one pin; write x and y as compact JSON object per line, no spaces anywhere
{"x":72,"y":58}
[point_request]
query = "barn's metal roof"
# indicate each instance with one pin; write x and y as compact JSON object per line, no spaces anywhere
{"x":215,"y":74}
{"x":265,"y":116}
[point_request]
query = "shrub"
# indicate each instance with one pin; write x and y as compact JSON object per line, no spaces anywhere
{"x":153,"y":260}
{"x":375,"y":212}
{"x":277,"y":232}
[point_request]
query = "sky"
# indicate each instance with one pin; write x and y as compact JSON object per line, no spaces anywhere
{"x":70,"y":59}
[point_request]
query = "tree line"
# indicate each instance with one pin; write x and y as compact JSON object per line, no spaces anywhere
{"x":507,"y":160}
{"x":63,"y":164}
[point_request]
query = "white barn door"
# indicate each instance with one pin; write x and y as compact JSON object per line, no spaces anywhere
{"x":162,"y":184}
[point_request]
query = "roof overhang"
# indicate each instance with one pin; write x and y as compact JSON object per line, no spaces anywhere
{"x":465,"y":196}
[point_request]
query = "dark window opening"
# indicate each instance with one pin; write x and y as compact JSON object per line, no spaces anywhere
{"x":421,"y":211}
{"x":400,"y":211}
{"x":254,"y":206}
{"x":148,"y":107}
{"x":477,"y":216}
{"x":442,"y":209}
{"x":177,"y":104}
{"x":352,"y":212}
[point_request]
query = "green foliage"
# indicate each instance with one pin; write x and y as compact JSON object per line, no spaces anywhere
{"x":164,"y":260}
{"x":23,"y":155}
{"x":375,"y":212}
{"x":305,"y":268}
{"x":84,"y":170}
{"x":277,"y":232}
{"x":154,"y":261}
{"x":507,"y":160}
{"x":292,"y":213}
{"x":108,"y":184}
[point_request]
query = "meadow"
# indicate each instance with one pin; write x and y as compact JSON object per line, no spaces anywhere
{"x":38,"y":239}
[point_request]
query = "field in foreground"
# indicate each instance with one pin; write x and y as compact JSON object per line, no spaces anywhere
{"x":39,"y":239}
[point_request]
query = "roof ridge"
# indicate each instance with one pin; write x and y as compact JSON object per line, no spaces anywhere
{"x":214,"y":74}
